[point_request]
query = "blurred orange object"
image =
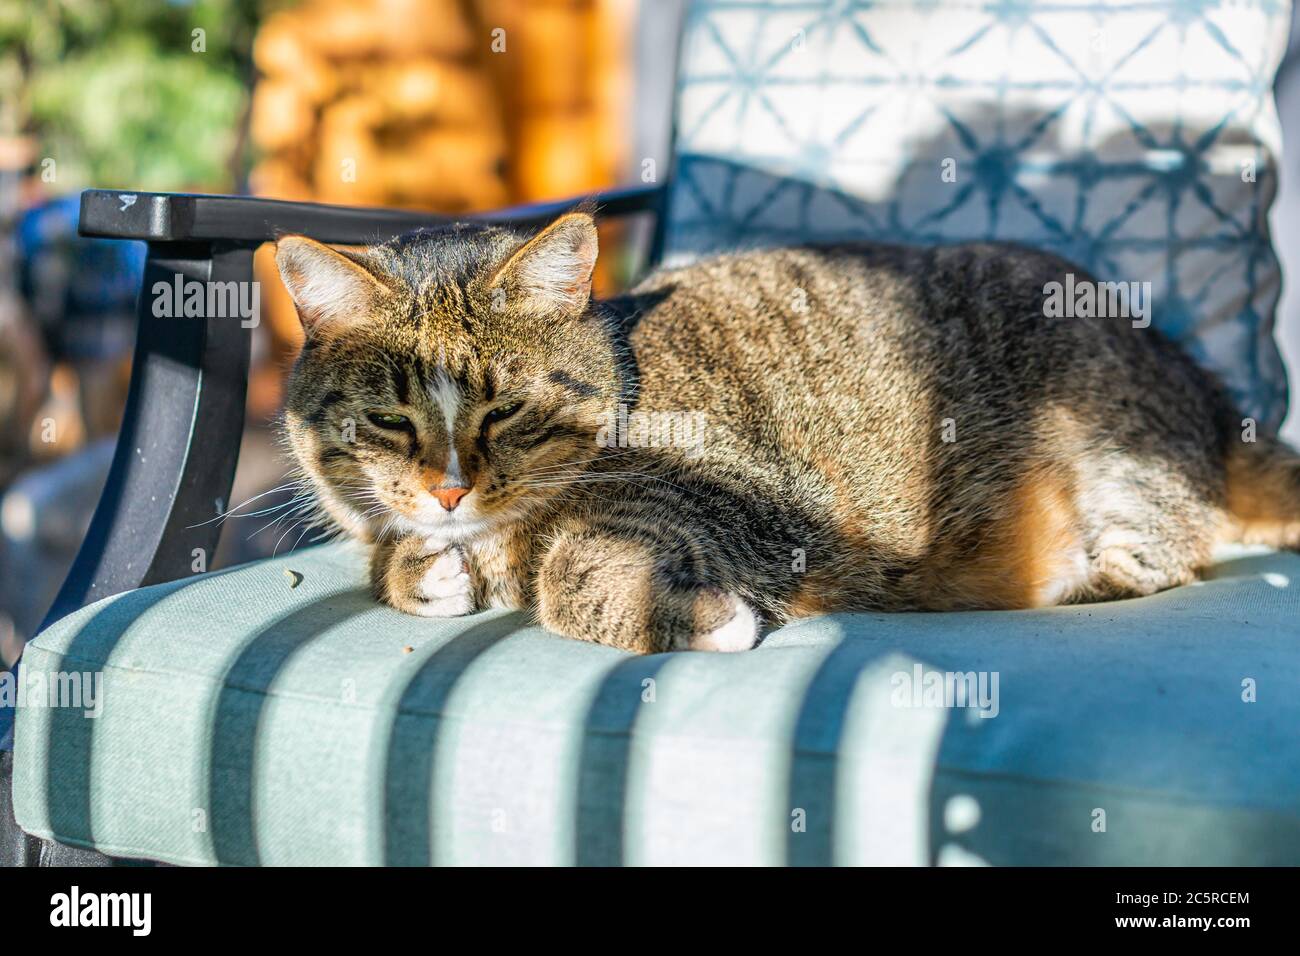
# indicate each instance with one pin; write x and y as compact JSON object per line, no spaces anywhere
{"x":377,"y":102}
{"x":565,"y":79}
{"x":441,"y":104}
{"x":447,"y":105}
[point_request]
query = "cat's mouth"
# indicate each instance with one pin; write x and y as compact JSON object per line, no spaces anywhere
{"x":427,"y":518}
{"x":441,"y":527}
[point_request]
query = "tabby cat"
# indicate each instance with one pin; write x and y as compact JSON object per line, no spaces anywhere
{"x":754,"y":438}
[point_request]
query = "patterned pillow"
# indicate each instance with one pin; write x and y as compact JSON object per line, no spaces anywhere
{"x":1137,"y":139}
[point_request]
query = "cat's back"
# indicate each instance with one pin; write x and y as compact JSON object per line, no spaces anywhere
{"x":853,"y":354}
{"x":853,"y":333}
{"x":906,"y":401}
{"x":836,"y":300}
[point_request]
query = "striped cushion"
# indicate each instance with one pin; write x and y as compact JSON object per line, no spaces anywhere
{"x":244,"y":720}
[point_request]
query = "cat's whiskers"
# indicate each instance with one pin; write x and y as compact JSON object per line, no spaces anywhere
{"x":303,"y":508}
{"x":275,"y":550}
{"x":300,"y":507}
{"x":232,"y":511}
{"x":310,"y":514}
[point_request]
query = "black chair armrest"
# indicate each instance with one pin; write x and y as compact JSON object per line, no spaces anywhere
{"x":240,"y":220}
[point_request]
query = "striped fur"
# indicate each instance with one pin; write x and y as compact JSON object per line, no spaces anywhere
{"x":884,"y":428}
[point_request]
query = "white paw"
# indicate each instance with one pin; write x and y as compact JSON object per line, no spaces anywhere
{"x":738,"y":634}
{"x":445,"y":587}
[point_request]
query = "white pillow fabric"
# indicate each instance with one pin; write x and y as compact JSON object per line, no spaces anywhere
{"x":1138,"y":140}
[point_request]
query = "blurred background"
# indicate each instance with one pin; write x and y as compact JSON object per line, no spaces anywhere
{"x":446,"y":105}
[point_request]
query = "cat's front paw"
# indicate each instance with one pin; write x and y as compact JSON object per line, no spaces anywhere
{"x":445,"y":589}
{"x":428,"y":585}
{"x":738,"y":633}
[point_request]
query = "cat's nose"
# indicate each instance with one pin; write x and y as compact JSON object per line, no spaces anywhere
{"x":449,"y":498}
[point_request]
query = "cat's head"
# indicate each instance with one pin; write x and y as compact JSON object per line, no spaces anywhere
{"x":450,"y":381}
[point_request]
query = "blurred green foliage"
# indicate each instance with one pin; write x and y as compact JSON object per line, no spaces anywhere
{"x":117,"y":94}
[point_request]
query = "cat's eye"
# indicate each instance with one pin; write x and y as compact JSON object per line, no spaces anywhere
{"x":501,"y":413}
{"x":388,"y":419}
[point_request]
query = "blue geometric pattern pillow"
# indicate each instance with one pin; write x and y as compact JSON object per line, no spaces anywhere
{"x":1136,"y":139}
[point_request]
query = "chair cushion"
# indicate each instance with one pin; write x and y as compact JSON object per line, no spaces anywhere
{"x":1138,"y":140}
{"x":245,"y":720}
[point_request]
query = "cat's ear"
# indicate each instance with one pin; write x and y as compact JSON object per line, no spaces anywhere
{"x":551,"y":272}
{"x":328,"y":289}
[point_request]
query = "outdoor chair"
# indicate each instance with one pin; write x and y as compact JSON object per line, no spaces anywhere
{"x":257,"y":716}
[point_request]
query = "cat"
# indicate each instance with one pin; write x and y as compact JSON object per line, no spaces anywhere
{"x":880,"y":427}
